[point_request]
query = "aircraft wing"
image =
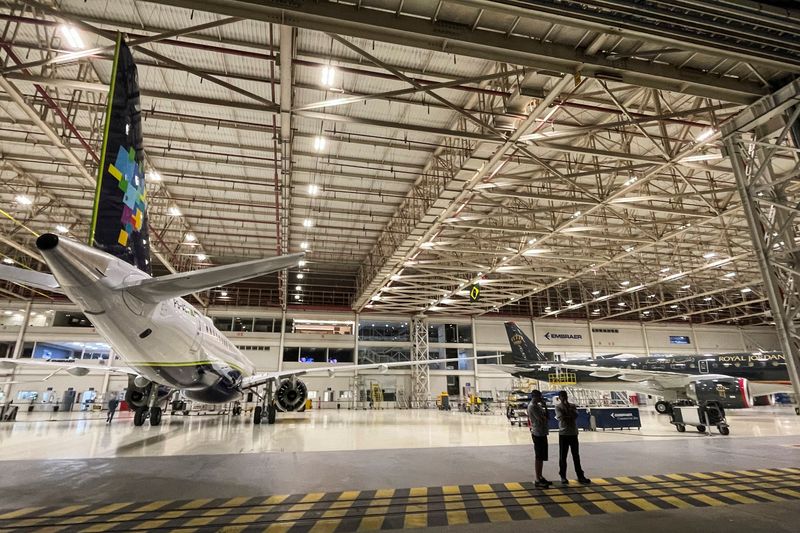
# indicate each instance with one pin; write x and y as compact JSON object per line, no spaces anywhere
{"x":625,"y":374}
{"x":261,"y":378}
{"x":155,"y":290}
{"x":74,"y":369}
{"x":31,"y":278}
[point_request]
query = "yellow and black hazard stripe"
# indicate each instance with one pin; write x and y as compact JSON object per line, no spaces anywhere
{"x":387,"y":509}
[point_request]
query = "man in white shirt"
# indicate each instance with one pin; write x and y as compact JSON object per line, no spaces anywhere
{"x":537,"y":414}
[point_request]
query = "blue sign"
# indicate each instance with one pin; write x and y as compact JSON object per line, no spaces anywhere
{"x":679,"y":339}
{"x":616,"y":417}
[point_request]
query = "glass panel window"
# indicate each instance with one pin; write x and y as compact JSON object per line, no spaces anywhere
{"x":340,"y":355}
{"x":383,"y":354}
{"x":289,"y":326}
{"x":450,"y":333}
{"x":242,"y":324}
{"x":376,"y":330}
{"x":495,"y":360}
{"x":265,"y":325}
{"x":313,"y":355}
{"x":290,"y":354}
{"x":71,"y":319}
{"x":464,"y":333}
{"x":223,"y":323}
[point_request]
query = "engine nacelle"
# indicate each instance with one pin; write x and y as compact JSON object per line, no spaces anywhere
{"x":732,"y":393}
{"x":138,"y":392}
{"x":291,"y":395}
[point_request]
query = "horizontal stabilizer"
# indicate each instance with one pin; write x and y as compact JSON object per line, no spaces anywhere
{"x":156,"y":290}
{"x":30,"y":278}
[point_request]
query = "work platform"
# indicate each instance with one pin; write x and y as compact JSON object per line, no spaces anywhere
{"x":423,"y":507}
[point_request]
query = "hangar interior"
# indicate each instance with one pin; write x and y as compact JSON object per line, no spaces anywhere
{"x":613,"y":177}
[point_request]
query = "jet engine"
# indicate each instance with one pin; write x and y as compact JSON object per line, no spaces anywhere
{"x":138,"y":391}
{"x":732,"y":393}
{"x":291,"y":395}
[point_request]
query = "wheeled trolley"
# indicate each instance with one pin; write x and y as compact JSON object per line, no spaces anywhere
{"x":701,"y":416}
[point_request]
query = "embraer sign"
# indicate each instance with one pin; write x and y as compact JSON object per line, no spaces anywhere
{"x":563,"y":336}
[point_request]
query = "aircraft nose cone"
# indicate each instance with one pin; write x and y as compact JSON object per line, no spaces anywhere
{"x":48,"y":241}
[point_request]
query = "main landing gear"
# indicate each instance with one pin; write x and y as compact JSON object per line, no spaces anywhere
{"x":152,"y":410}
{"x":267,"y":406}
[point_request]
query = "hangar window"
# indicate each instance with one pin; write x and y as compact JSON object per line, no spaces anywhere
{"x":291,"y":354}
{"x":492,"y":361}
{"x":313,"y":355}
{"x":340,"y":355}
{"x":242,"y":323}
{"x":383,"y":354}
{"x":464,"y":356}
{"x":450,"y":333}
{"x":377,"y":330}
{"x":223,"y":323}
{"x":71,"y":320}
{"x":266,"y":325}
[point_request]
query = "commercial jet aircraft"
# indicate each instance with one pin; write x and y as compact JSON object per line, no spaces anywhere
{"x":165,"y":343}
{"x":732,"y":379}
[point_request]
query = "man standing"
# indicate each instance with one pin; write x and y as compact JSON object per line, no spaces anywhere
{"x":537,"y":414}
{"x":567,"y":415}
{"x":112,"y":408}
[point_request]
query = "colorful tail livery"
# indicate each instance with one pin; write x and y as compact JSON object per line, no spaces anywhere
{"x":523,"y":350}
{"x":119,"y":219}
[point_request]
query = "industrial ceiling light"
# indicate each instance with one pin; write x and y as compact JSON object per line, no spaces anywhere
{"x":300,"y":275}
{"x":707,"y":299}
{"x":685,"y":286}
{"x":729,"y":275}
{"x":8,"y":261}
{"x":328,"y":77}
{"x":308,"y":223}
{"x":625,"y":283}
{"x":202,"y":257}
{"x":320,"y":143}
{"x":301,"y":263}
{"x":298,"y":288}
{"x":304,"y":245}
{"x":62,"y":229}
{"x":621,"y":304}
{"x":153,"y":176}
{"x":190,"y":237}
{"x":173,"y":211}
{"x":313,"y":189}
{"x":673,"y":306}
{"x":665,"y":269}
{"x":531,"y":241}
{"x":746,"y":290}
{"x":709,"y":255}
{"x":296,"y":296}
{"x":224,"y":294}
{"x":705,"y":135}
{"x":72,"y":36}
{"x":21,"y":199}
{"x":595,"y":293}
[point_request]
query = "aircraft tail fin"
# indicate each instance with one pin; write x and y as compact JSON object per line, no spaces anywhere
{"x":119,"y":218}
{"x":523,"y":349}
{"x":155,"y":290}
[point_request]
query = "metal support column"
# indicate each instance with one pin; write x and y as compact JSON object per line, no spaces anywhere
{"x":282,"y":339}
{"x":762,"y":144}
{"x":23,"y":328}
{"x":473,"y":325}
{"x":644,"y":339}
{"x":420,"y":372}
{"x":591,"y":334}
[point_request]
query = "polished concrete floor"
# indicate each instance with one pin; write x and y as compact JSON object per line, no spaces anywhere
{"x":85,"y":435}
{"x":48,"y":459}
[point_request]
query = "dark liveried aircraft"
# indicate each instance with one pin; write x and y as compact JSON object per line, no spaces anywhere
{"x":733,"y":379}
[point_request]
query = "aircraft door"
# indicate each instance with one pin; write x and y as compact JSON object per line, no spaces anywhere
{"x":703,"y":366}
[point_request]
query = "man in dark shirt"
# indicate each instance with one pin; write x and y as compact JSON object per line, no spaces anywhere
{"x":112,"y":408}
{"x":567,"y":415}
{"x":537,"y":414}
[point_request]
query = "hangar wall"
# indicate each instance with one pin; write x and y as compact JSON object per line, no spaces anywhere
{"x":567,"y":339}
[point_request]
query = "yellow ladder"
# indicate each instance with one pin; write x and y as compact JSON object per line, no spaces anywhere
{"x":562,"y":378}
{"x":377,"y":393}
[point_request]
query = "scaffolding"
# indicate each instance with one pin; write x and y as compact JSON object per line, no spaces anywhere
{"x":420,"y":371}
{"x":759,"y":141}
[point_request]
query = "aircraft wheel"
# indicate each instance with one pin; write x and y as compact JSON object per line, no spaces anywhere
{"x":724,"y":430}
{"x":257,"y":414}
{"x":140,"y":416}
{"x":701,"y":429}
{"x":155,"y":416}
{"x":662,"y":407}
{"x":680,"y":427}
{"x":272,"y":411}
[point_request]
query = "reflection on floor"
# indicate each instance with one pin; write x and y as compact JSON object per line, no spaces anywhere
{"x":86,"y":435}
